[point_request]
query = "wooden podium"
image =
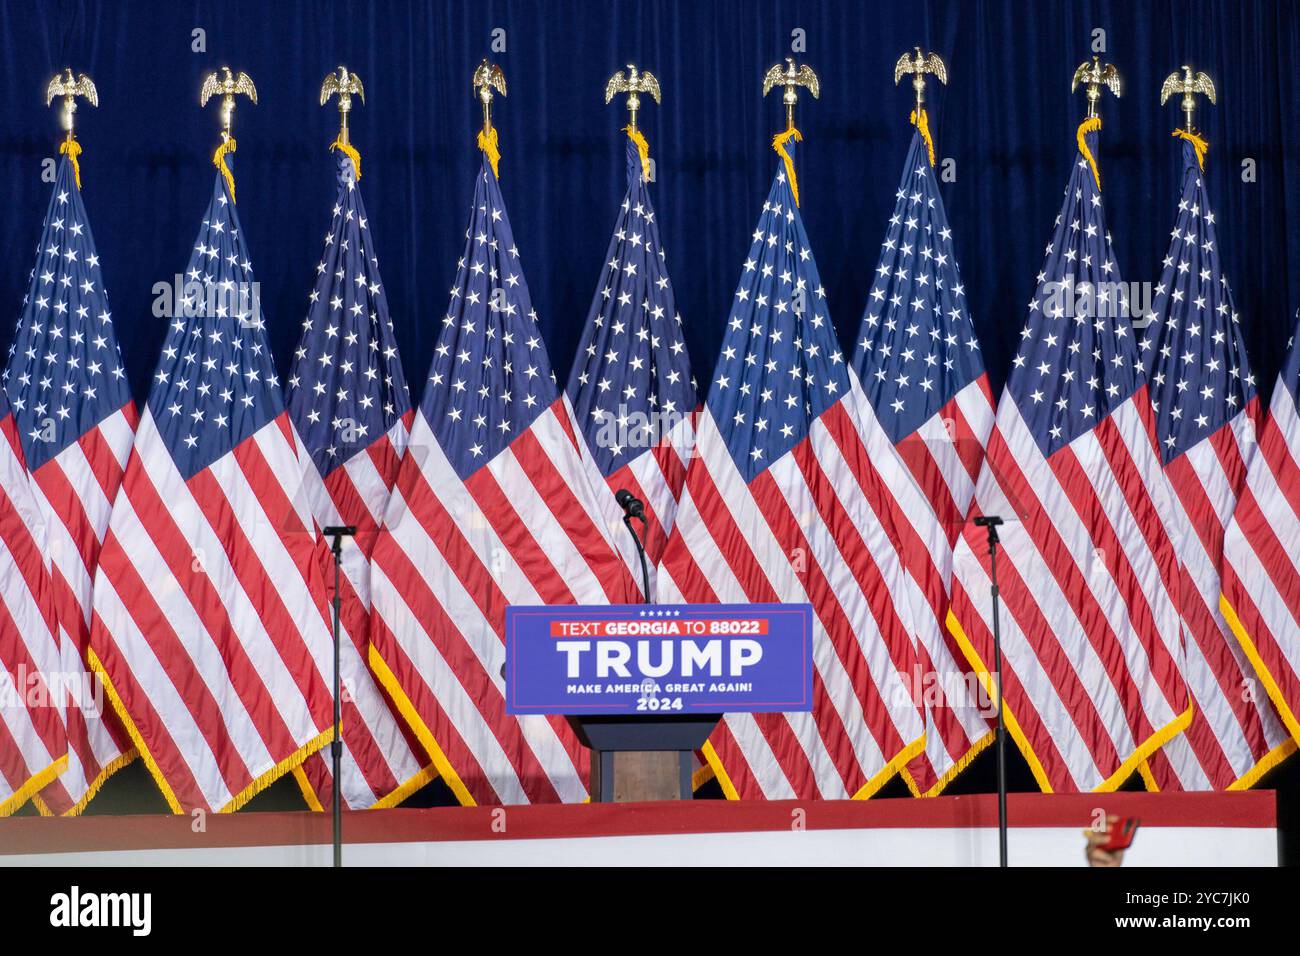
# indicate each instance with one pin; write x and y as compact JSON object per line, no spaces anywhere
{"x":643,"y":756}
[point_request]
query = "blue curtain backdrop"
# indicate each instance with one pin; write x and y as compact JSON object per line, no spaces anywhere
{"x":1007,"y":118}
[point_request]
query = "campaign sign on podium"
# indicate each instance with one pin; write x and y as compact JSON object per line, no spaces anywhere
{"x":658,"y":659}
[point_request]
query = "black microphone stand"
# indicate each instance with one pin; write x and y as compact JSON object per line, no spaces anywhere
{"x":633,"y":507}
{"x":338,"y":533}
{"x":640,"y":550}
{"x":991,"y":522}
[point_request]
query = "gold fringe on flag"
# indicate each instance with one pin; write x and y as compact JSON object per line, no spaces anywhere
{"x":114,"y":765}
{"x":388,"y":681}
{"x":891,"y":769}
{"x":1144,"y":749}
{"x":1275,"y":694}
{"x":702,"y":775}
{"x":952,"y":772}
{"x":34,"y":785}
{"x":1266,"y":763}
{"x":719,"y":772}
{"x":120,"y":761}
{"x":72,"y":149}
{"x":778,"y":144}
{"x":922,"y":123}
{"x":394,"y":798}
{"x":97,"y":667}
{"x":487,"y":141}
{"x":1086,"y":127}
{"x":219,"y":160}
{"x":287,"y":765}
{"x":1200,"y":145}
{"x":350,"y":151}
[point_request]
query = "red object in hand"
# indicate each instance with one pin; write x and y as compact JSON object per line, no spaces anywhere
{"x":1121,"y":834}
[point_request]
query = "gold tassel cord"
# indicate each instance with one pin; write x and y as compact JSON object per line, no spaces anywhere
{"x":778,"y":144}
{"x":922,"y":124}
{"x":487,"y":141}
{"x":1199,"y":144}
{"x":72,"y":149}
{"x":219,"y":160}
{"x":350,"y":151}
{"x":642,"y":147}
{"x":1086,"y":127}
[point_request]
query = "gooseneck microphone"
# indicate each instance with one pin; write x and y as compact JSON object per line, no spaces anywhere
{"x":634,"y":507}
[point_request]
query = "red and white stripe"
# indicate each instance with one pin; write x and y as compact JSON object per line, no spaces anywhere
{"x":925,"y":485}
{"x":1261,"y":560}
{"x":75,"y":491}
{"x":1088,"y":577}
{"x":802,"y":531}
{"x":33,"y":738}
{"x":210,"y":625}
{"x":381,"y":763}
{"x":1235,"y":734}
{"x":657,"y":477}
{"x":522,"y":529}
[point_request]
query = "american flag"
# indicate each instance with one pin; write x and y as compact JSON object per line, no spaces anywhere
{"x":491,"y":507}
{"x":1207,"y":413}
{"x":348,"y":400}
{"x":75,"y":418}
{"x":773,"y":510}
{"x":1261,"y":573}
{"x":631,"y":384}
{"x":211,"y":627}
{"x":33,"y":738}
{"x":1088,"y":574}
{"x":930,"y":414}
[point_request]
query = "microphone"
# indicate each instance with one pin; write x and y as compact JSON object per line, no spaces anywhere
{"x":988,"y":521}
{"x":632,"y":506}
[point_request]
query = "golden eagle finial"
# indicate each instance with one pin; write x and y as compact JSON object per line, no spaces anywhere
{"x":487,"y":77}
{"x":228,"y":84}
{"x":1095,"y":75}
{"x":64,"y":85}
{"x":791,"y":77}
{"x":345,"y":85}
{"x":918,"y":66}
{"x":633,"y":84}
{"x":1188,"y":84}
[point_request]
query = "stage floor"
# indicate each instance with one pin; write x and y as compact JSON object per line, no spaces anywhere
{"x":1178,"y":829}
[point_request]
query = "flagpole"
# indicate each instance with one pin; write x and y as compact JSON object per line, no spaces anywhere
{"x":338,"y":533}
{"x":991,"y":522}
{"x":636,"y":82}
